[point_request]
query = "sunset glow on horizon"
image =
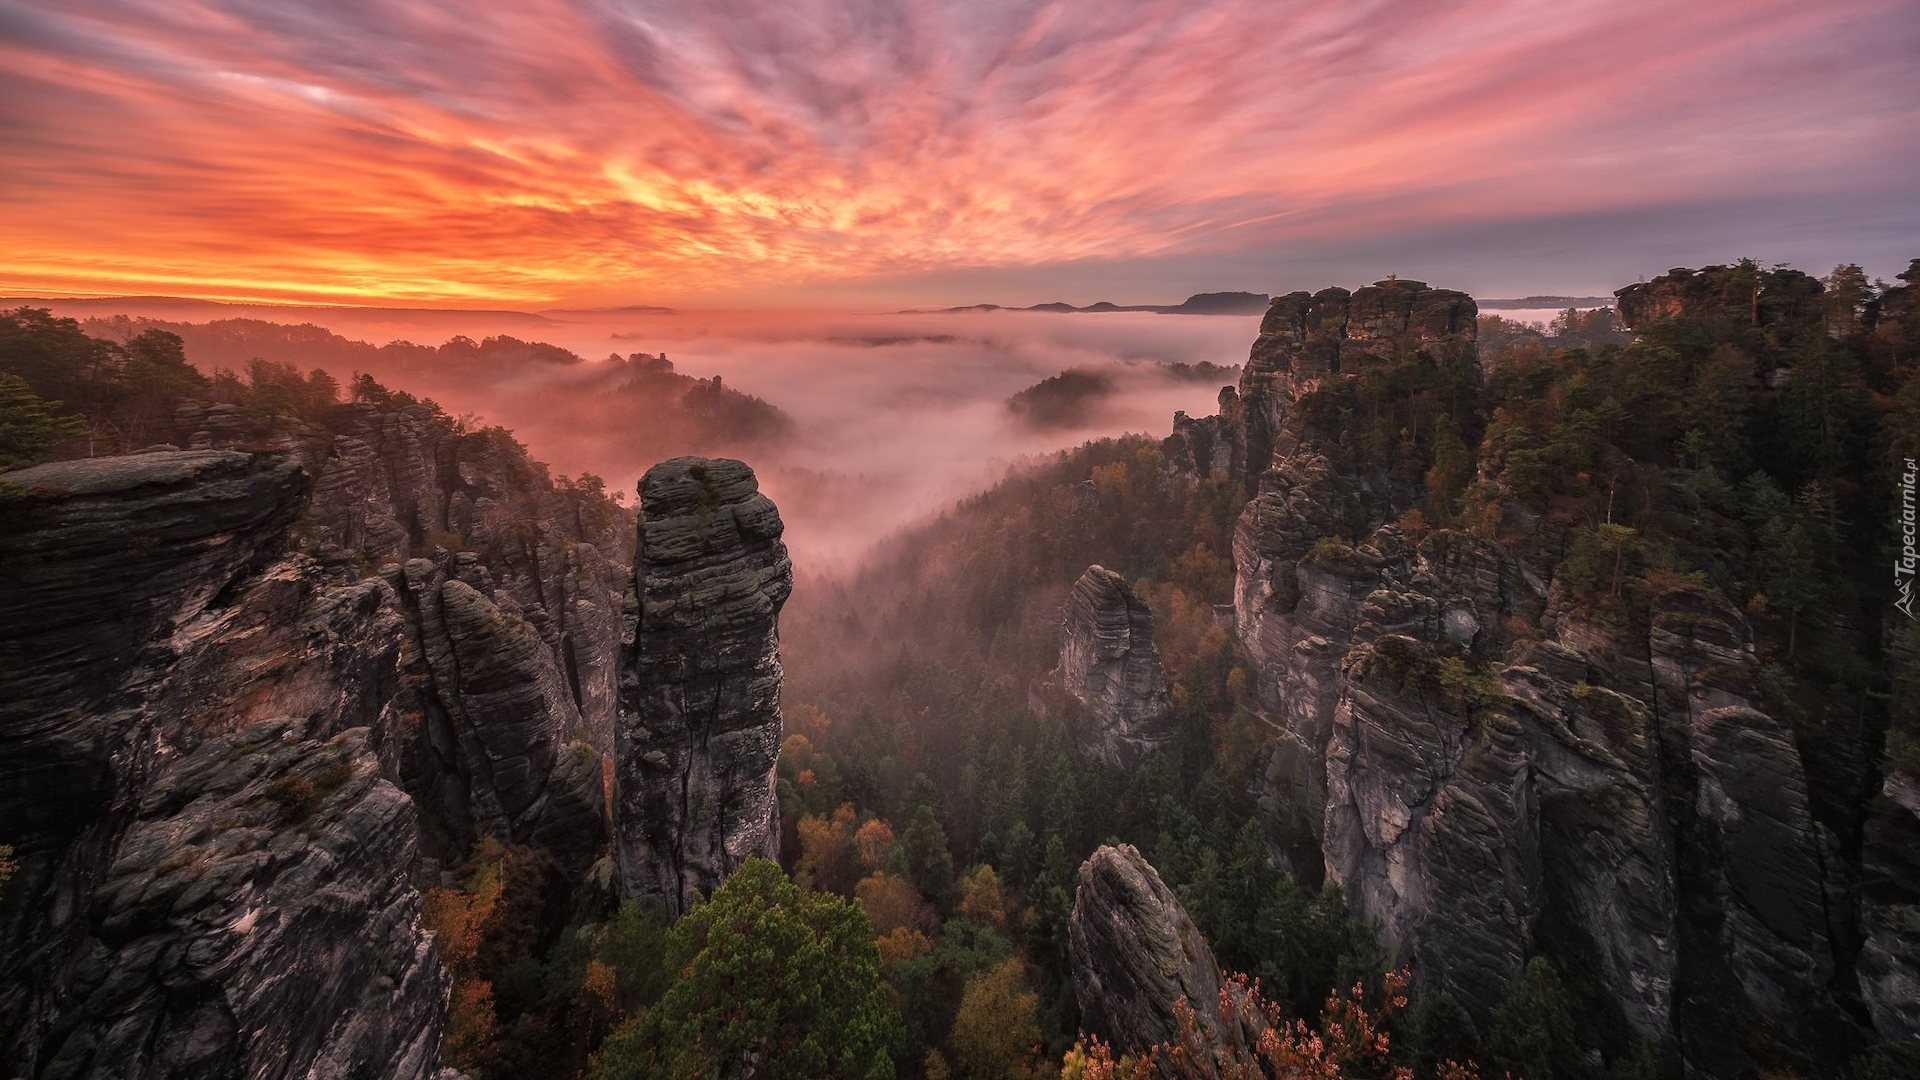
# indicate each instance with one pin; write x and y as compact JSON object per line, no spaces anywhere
{"x":597,"y":152}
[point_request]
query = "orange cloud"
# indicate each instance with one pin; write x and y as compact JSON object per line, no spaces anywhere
{"x":606,"y":150}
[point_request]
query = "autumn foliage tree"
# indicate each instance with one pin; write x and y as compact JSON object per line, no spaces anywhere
{"x":1350,"y":1041}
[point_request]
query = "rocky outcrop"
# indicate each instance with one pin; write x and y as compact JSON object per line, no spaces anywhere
{"x":1755,"y":825}
{"x":104,"y":555}
{"x":1308,"y":338}
{"x":505,"y":749}
{"x":256,"y":920}
{"x":1482,"y":763}
{"x":1135,"y":954}
{"x":235,"y":724}
{"x":1204,"y":447}
{"x":214,"y":876}
{"x":509,"y":616}
{"x":107,"y":562}
{"x":1743,"y":294}
{"x":1890,"y":959}
{"x":699,"y":726}
{"x":403,"y":482}
{"x":1111,"y":667}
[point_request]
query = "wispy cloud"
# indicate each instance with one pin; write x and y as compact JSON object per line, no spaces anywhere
{"x":597,"y":149}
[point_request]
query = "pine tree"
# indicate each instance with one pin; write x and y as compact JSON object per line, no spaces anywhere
{"x":30,"y":426}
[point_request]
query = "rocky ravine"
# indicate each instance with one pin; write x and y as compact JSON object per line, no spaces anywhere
{"x":248,"y":700}
{"x":1630,"y":786}
{"x":700,"y":682}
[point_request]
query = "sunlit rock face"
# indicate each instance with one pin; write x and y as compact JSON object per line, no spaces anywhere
{"x":699,"y":726}
{"x":1111,"y":667}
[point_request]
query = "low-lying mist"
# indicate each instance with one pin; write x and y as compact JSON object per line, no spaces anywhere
{"x":898,"y":416}
{"x":894,"y":416}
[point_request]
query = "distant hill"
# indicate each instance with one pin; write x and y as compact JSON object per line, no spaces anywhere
{"x":623,"y":309}
{"x":1547,"y":302}
{"x":184,"y":308}
{"x":1214,"y":303}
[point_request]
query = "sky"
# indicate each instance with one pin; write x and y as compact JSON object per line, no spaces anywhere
{"x":863,"y":154}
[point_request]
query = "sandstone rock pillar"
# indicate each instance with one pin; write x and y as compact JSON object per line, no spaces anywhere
{"x":699,"y":725}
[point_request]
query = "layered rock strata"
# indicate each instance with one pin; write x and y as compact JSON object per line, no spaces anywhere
{"x":1111,"y":667}
{"x":253,"y":922}
{"x":699,"y":726}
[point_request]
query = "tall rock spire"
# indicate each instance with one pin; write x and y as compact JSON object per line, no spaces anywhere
{"x":699,"y":727}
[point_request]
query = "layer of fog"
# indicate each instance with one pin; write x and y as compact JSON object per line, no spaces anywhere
{"x":1541,"y":316}
{"x":896,"y":416}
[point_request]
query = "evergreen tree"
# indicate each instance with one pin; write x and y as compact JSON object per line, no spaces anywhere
{"x":1532,"y":1032}
{"x":921,"y":856}
{"x":30,"y":426}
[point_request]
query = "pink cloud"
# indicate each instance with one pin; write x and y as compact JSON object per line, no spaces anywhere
{"x":592,"y":149}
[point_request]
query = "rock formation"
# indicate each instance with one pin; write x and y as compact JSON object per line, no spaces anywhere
{"x":1135,"y":953}
{"x":699,"y":726}
{"x":1630,"y":782}
{"x":1747,"y":295}
{"x":506,"y":747}
{"x":256,"y":921}
{"x":1110,"y":665}
{"x":190,"y":864}
{"x":1890,"y":958}
{"x":245,"y":697}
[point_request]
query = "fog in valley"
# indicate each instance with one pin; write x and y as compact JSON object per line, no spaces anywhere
{"x":893,"y":416}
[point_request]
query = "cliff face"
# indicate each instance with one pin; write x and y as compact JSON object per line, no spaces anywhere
{"x":1890,"y":958}
{"x":244,"y":697}
{"x":254,"y":921}
{"x":1135,"y":953}
{"x":1742,"y":295}
{"x":193,"y":863}
{"x":1622,"y":783}
{"x":699,"y":723}
{"x":1110,"y":665}
{"x":1305,"y":339}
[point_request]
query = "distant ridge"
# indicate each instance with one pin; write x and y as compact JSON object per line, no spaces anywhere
{"x":621,"y":309}
{"x":116,"y":305}
{"x":1210,"y":303}
{"x":1548,"y":302}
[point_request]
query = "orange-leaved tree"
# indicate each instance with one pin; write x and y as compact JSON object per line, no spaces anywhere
{"x":1351,"y":1042}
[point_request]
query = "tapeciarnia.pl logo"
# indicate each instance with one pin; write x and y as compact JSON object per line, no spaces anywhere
{"x":1903,"y":567}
